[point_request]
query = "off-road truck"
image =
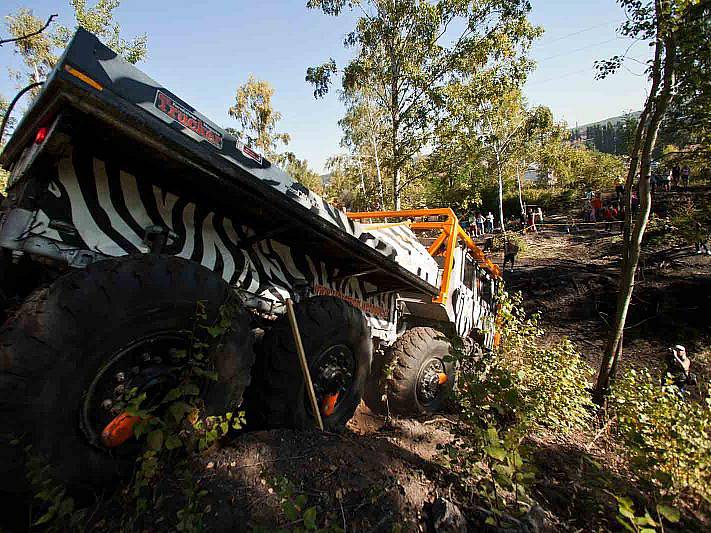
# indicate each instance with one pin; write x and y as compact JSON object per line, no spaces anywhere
{"x":126,"y":208}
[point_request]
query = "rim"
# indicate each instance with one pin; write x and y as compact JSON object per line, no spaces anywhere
{"x":429,"y":390}
{"x":150,"y":365}
{"x":333,"y":375}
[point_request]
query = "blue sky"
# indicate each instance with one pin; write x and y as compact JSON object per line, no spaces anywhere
{"x":203,"y":51}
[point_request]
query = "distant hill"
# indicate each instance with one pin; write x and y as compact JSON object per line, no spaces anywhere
{"x":611,"y":136}
{"x":612,"y":120}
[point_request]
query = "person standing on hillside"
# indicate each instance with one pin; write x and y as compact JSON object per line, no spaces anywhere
{"x":619,"y":190}
{"x":685,"y":176}
{"x":675,"y":176}
{"x":490,"y":223}
{"x":480,"y":223}
{"x":597,"y":206}
{"x":510,"y":252}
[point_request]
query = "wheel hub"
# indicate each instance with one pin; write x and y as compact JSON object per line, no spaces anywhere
{"x":150,"y":366}
{"x":431,"y":381}
{"x":333,"y":376}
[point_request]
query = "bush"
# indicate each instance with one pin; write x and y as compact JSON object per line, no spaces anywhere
{"x":526,"y":382}
{"x":665,"y":433}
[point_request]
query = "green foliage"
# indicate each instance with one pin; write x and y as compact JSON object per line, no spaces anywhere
{"x":495,"y":468}
{"x":300,"y":514}
{"x":37,"y":52}
{"x":258,"y":119}
{"x":515,"y":238}
{"x":300,"y":171}
{"x":628,"y":518}
{"x":692,"y":221}
{"x":610,"y":138}
{"x":40,"y":52}
{"x":665,"y":432}
{"x":177,"y":423}
{"x":527,"y":382}
{"x":407,"y":60}
{"x":99,"y":20}
{"x":57,"y":509}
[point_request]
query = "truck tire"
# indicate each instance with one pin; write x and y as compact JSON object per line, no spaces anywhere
{"x":61,"y":352}
{"x":406,"y":380}
{"x":338,"y":347}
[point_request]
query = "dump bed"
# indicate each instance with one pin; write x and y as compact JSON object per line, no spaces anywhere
{"x":99,"y":95}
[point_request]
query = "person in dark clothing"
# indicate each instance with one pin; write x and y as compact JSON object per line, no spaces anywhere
{"x":510,"y":252}
{"x":675,"y":176}
{"x":620,"y":191}
{"x":678,"y":370}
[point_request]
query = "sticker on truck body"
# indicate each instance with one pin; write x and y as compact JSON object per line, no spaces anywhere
{"x":187,"y":119}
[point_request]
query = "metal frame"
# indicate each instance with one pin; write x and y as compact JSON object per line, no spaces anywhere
{"x":451,"y":234}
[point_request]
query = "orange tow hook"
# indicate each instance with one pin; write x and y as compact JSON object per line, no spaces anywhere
{"x":442,"y":378}
{"x":328,"y":404}
{"x":119,"y":430}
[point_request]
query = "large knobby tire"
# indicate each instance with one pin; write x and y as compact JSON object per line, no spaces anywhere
{"x":332,"y":331}
{"x":65,"y":335}
{"x":400,"y":379}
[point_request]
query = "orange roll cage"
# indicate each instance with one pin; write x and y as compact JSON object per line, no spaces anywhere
{"x":450,"y":233}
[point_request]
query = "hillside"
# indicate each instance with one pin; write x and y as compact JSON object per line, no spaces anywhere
{"x":612,"y":120}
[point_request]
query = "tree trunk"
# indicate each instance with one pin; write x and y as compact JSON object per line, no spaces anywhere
{"x":645,"y":139}
{"x":501,"y":189}
{"x":374,"y":143}
{"x":520,"y":193}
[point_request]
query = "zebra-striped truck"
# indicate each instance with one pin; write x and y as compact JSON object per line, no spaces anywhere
{"x":129,"y":214}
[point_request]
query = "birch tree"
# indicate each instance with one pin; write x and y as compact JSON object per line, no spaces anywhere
{"x":656,"y":21}
{"x":407,"y":52}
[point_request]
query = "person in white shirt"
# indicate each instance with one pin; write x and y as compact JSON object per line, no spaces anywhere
{"x":490,"y":223}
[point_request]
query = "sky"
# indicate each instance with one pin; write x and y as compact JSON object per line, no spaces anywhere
{"x":203,"y":50}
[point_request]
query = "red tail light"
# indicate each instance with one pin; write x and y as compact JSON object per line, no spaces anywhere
{"x":41,"y":135}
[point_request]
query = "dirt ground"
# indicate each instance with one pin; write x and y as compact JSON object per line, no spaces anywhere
{"x":385,"y":475}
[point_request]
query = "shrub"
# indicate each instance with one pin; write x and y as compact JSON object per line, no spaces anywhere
{"x":526,"y":382}
{"x":665,"y":433}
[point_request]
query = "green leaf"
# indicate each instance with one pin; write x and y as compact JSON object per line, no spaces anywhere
{"x":496,"y":452}
{"x":155,"y":439}
{"x":190,"y":389}
{"x":178,"y":409}
{"x":310,"y":518}
{"x":215,"y":331}
{"x":173,"y":442}
{"x":672,"y":514}
{"x":492,"y":436}
{"x":290,"y":510}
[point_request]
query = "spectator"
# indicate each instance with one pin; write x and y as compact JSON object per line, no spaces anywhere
{"x":666,"y":185}
{"x":614,"y":209}
{"x":619,"y":191}
{"x":570,"y":226}
{"x":597,"y":206}
{"x":480,"y":223}
{"x":539,"y":212}
{"x":510,"y":252}
{"x":490,"y":223}
{"x":635,"y":203}
{"x":531,"y":220}
{"x":685,"y":176}
{"x":675,"y":175}
{"x":607,"y":216}
{"x":678,"y":369}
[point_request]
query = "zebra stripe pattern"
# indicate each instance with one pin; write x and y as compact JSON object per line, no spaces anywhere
{"x":110,"y":210}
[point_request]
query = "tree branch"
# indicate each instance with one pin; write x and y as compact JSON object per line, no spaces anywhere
{"x":15,"y":39}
